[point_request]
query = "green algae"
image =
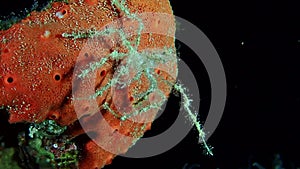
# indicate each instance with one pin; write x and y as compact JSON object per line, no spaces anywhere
{"x":50,"y":147}
{"x":7,"y":159}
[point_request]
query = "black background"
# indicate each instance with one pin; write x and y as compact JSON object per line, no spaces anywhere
{"x":261,"y":116}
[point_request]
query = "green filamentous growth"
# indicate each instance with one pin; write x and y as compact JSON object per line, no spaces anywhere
{"x":143,"y":64}
{"x":193,"y":118}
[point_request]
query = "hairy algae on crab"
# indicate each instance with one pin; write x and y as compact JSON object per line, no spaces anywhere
{"x":49,"y":147}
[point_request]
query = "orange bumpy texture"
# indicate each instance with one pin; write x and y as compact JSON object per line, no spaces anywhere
{"x":37,"y":66}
